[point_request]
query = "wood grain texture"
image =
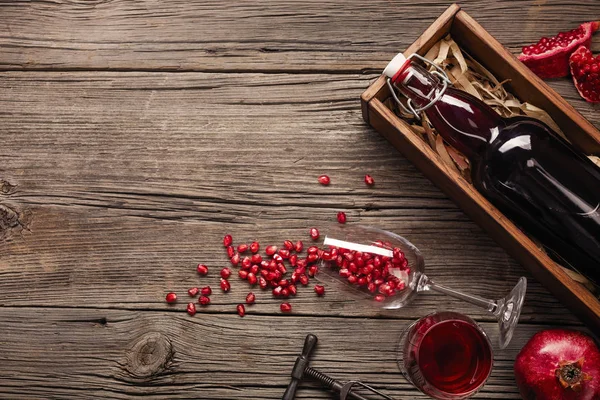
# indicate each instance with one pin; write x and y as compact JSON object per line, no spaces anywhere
{"x":119,"y":172}
{"x":267,"y":35}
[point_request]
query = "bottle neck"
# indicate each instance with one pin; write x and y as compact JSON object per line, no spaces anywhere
{"x":465,"y":122}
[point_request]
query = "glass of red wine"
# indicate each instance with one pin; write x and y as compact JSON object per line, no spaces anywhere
{"x":387,"y":270}
{"x":445,"y":355}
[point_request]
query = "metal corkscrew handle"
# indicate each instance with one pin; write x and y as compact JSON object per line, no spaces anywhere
{"x":301,"y":365}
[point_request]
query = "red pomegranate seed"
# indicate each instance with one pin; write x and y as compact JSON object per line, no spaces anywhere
{"x":204,"y":300}
{"x":235,"y":260}
{"x":301,"y":263}
{"x":277,"y":258}
{"x":379,"y":297}
{"x":206,"y":291}
{"x":252,"y":279}
{"x":256,"y":259}
{"x":285,"y":293}
{"x":303,"y":279}
{"x":352,"y":279}
{"x":324,"y":180}
{"x":270,"y":250}
{"x":369,"y":180}
{"x":254,"y":247}
{"x":225,"y":286}
{"x":202,"y":269}
{"x":285,"y":307}
{"x":319,"y":290}
{"x":254,"y":269}
{"x":242,"y":248}
{"x":292,"y":289}
{"x":344,"y":273}
{"x":284,"y":253}
{"x":371,"y":287}
{"x":243,"y":274}
{"x":299,"y":246}
{"x":171,"y":298}
{"x":230,"y":251}
{"x":293,"y":260}
{"x":314,"y":233}
{"x":262,"y":282}
{"x":191,"y":309}
{"x":312,"y":250}
{"x":193,"y":291}
{"x":341,"y":217}
{"x":313,"y":270}
{"x":250,"y":298}
{"x":288,"y":244}
{"x":227,"y":240}
{"x":225,"y":273}
{"x":277,"y":291}
{"x":241,"y":310}
{"x":312,"y":258}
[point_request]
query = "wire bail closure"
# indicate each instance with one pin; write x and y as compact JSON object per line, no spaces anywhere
{"x":438,"y":72}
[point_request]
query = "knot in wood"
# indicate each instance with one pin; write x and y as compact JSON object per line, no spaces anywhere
{"x":6,"y":187}
{"x":150,"y":355}
{"x":9,"y":219}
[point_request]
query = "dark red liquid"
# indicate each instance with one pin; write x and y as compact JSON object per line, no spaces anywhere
{"x":524,"y":168}
{"x":454,"y":357}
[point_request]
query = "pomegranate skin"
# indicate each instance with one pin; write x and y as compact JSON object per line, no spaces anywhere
{"x":537,"y":362}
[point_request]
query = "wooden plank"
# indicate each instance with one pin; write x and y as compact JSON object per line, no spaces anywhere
{"x":124,"y":189}
{"x":267,"y":35}
{"x":85,"y":353}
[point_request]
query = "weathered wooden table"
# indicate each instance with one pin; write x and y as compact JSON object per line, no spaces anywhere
{"x":135,"y":134}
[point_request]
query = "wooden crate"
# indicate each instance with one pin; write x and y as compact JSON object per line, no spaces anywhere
{"x":471,"y":37}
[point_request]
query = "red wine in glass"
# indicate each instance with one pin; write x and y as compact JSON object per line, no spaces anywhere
{"x":446,"y":355}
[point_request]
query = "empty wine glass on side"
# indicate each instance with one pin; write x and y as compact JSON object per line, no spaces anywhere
{"x":389,"y":270}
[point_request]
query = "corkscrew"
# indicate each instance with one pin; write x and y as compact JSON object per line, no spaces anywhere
{"x":302,"y":370}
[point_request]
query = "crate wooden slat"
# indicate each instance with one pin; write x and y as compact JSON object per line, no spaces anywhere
{"x":472,"y":38}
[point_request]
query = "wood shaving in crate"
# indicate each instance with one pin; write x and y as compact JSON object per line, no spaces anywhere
{"x":467,"y":74}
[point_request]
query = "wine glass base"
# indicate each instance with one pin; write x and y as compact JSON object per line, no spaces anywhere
{"x":509,"y":311}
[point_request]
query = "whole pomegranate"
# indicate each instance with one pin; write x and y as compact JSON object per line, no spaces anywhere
{"x":559,"y":364}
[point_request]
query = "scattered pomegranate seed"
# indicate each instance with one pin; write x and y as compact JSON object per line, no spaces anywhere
{"x":227,"y":240}
{"x":312,"y":250}
{"x":243,"y":274}
{"x":225,"y":273}
{"x":206,"y":291}
{"x":250,"y":298}
{"x":262,"y":282}
{"x":341,"y":217}
{"x":284,"y":253}
{"x":324,"y":180}
{"x":314,"y":233}
{"x":369,"y":180}
{"x":299,"y":246}
{"x":235,"y":260}
{"x":202,"y":269}
{"x":246,"y":263}
{"x":225,"y":286}
{"x":254,"y":247}
{"x":379,"y":297}
{"x":320,"y":290}
{"x":230,"y":251}
{"x":191,"y":309}
{"x":292,"y":289}
{"x":288,"y":245}
{"x":193,"y":291}
{"x":277,"y":291}
{"x":270,"y":250}
{"x":241,"y":310}
{"x":285,"y":307}
{"x":252,"y":279}
{"x":171,"y":298}
{"x":204,"y":300}
{"x":242,"y":248}
{"x":313,"y":270}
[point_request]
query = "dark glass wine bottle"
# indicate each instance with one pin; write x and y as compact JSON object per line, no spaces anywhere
{"x":534,"y":176}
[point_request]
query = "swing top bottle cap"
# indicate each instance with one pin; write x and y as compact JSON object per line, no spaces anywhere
{"x":395,"y":67}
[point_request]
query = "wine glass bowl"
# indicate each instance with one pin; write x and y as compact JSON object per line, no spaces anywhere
{"x":397,"y":283}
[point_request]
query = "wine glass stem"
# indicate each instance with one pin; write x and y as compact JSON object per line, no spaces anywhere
{"x":490,"y":305}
